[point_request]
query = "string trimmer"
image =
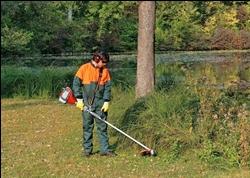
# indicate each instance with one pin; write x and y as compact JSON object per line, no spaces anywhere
{"x":67,"y":96}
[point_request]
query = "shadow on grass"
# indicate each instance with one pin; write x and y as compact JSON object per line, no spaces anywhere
{"x":130,"y":120}
{"x":130,"y":117}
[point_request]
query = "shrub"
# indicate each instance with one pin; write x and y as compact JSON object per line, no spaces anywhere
{"x":229,"y":39}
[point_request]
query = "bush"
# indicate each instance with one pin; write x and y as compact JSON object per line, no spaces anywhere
{"x":229,"y":39}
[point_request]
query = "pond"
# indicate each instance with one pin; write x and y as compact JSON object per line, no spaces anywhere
{"x":203,"y":56}
{"x":217,"y":69}
{"x":226,"y":66}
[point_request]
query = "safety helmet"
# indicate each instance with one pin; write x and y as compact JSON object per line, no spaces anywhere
{"x":97,"y":56}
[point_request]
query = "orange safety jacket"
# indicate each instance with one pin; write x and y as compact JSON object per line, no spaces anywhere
{"x":86,"y":80}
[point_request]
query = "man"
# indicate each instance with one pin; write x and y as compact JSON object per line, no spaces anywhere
{"x":92,"y":87}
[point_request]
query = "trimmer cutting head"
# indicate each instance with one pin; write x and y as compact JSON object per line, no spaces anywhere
{"x":148,"y":153}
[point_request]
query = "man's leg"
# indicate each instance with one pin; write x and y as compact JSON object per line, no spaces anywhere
{"x":102,"y":133}
{"x":88,"y":126}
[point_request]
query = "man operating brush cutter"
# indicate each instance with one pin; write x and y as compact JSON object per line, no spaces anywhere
{"x":92,"y":88}
{"x":93,"y":100}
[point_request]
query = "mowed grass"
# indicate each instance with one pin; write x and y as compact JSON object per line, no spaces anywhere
{"x":43,"y":138}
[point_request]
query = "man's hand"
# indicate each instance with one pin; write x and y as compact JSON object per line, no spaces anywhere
{"x":79,"y":103}
{"x":105,"y":107}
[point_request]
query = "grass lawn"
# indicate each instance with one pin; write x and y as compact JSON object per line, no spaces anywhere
{"x":42,"y":138}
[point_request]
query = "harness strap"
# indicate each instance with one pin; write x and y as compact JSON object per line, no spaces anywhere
{"x":97,"y":85}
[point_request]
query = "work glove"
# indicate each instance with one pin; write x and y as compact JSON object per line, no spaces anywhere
{"x":79,"y":103}
{"x":105,"y":107}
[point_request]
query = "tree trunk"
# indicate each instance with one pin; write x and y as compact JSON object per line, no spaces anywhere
{"x":70,"y":14}
{"x":145,"y":77}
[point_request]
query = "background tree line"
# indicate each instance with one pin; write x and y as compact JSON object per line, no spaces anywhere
{"x":53,"y":27}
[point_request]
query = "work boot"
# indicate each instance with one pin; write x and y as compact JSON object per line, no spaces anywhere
{"x":86,"y":154}
{"x":109,"y":153}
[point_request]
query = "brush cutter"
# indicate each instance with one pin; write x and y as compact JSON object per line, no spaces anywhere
{"x":67,"y":96}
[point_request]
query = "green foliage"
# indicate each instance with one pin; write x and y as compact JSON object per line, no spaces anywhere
{"x":128,"y":34}
{"x":175,"y":26}
{"x":59,"y":27}
{"x":15,"y":41}
{"x":219,"y":155}
{"x":112,"y":25}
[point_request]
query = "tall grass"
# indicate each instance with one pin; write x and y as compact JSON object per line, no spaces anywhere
{"x":189,"y":110}
{"x":34,"y":82}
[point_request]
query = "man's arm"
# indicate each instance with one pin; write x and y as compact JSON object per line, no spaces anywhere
{"x":77,"y":87}
{"x":107,"y":87}
{"x":107,"y":91}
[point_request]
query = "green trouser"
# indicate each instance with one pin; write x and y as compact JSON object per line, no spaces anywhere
{"x":88,"y":126}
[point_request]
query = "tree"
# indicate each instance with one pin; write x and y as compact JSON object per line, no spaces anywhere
{"x":15,"y":41}
{"x":70,"y":7}
{"x":145,"y":59}
{"x":176,"y":26}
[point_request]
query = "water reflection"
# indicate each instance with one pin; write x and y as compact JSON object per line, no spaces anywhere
{"x":221,"y":71}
